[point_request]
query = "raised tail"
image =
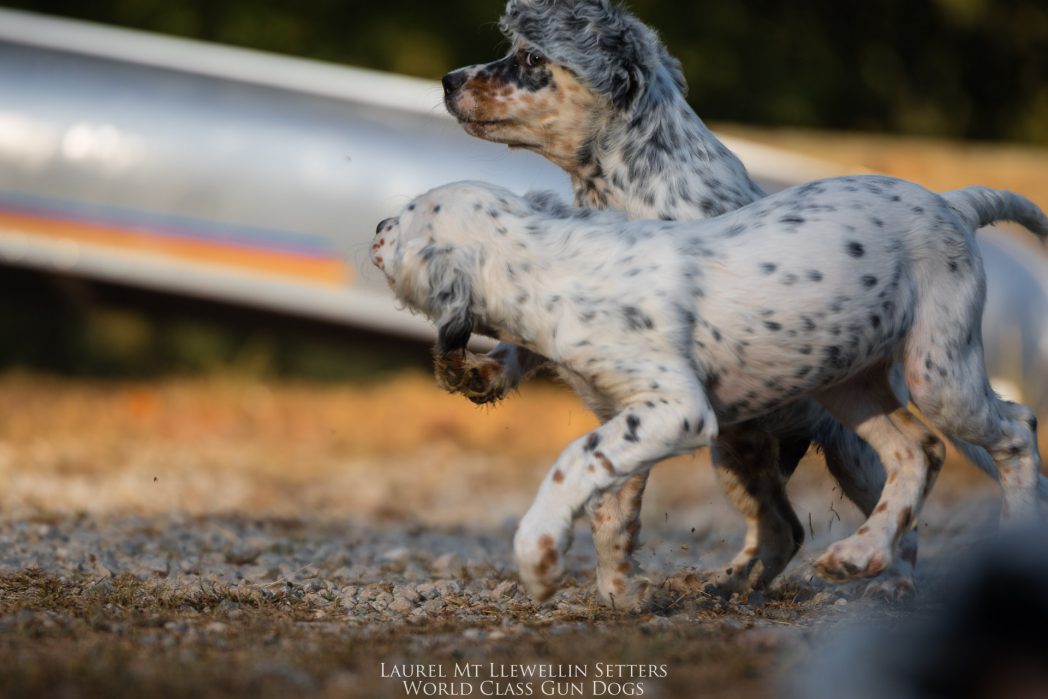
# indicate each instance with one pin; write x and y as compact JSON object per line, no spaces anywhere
{"x":981,"y":206}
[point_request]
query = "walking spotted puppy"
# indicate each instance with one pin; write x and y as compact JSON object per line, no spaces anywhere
{"x":679,"y":332}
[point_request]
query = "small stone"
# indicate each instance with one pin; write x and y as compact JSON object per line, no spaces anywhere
{"x":433,"y":606}
{"x":243,"y":555}
{"x":841,"y":602}
{"x":407,"y":592}
{"x":401,"y":605}
{"x":505,"y":589}
{"x":427,"y":591}
{"x":447,"y":587}
{"x":103,"y":588}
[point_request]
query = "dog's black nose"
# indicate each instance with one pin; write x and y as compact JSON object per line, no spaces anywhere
{"x":385,"y":222}
{"x":453,"y":81}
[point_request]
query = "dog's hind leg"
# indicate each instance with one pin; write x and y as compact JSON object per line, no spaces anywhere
{"x":615,"y":522}
{"x":946,"y":375}
{"x":912,"y":457}
{"x":861,"y":476}
{"x":752,"y":466}
{"x":957,"y":398}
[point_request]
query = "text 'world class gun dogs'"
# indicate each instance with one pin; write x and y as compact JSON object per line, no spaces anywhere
{"x":766,"y":358}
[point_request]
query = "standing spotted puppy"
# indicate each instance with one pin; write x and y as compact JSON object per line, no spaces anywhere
{"x":677,"y":333}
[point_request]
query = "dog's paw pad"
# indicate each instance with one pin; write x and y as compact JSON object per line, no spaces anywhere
{"x":480,"y":378}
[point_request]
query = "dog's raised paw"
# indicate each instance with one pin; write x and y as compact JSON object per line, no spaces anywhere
{"x":480,"y":378}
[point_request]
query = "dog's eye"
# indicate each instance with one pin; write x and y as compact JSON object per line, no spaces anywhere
{"x":532,"y":59}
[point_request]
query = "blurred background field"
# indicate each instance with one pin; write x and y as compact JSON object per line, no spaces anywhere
{"x":57,"y":324}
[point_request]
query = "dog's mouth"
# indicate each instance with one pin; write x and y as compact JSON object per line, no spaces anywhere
{"x":466,"y":121}
{"x":470,"y":122}
{"x":493,"y":130}
{"x":488,"y":129}
{"x":484,"y":122}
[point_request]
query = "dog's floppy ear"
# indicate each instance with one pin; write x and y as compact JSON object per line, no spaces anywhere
{"x":629,"y":74}
{"x":641,"y":57}
{"x":451,"y":298}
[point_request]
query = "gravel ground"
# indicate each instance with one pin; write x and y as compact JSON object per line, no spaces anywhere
{"x":260,"y":549}
{"x":171,"y":604}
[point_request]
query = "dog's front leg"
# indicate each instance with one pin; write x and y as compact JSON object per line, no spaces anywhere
{"x":486,"y":378}
{"x":640,"y":435}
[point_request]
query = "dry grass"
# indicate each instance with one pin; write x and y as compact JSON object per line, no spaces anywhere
{"x":206,"y":446}
{"x":198,"y":446}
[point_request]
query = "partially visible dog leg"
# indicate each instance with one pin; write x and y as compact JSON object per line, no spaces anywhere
{"x":615,"y":522}
{"x":956,"y":397}
{"x":750,"y":466}
{"x":912,"y":457}
{"x":946,"y":375}
{"x":860,"y":474}
{"x":485,"y":378}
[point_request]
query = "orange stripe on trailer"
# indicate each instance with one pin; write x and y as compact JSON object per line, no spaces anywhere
{"x":325,"y":271}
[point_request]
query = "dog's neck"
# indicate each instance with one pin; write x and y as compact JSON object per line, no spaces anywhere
{"x":660,"y":161}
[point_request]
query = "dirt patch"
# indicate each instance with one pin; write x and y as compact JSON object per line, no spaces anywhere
{"x":217,"y":538}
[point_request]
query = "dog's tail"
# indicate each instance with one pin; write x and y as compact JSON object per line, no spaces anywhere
{"x":981,"y":206}
{"x":981,"y":458}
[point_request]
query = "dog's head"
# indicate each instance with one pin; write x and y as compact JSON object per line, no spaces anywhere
{"x":433,"y":251}
{"x":572,"y":64}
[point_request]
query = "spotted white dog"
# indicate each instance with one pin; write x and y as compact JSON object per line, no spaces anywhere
{"x":678,"y":332}
{"x":594,"y":90}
